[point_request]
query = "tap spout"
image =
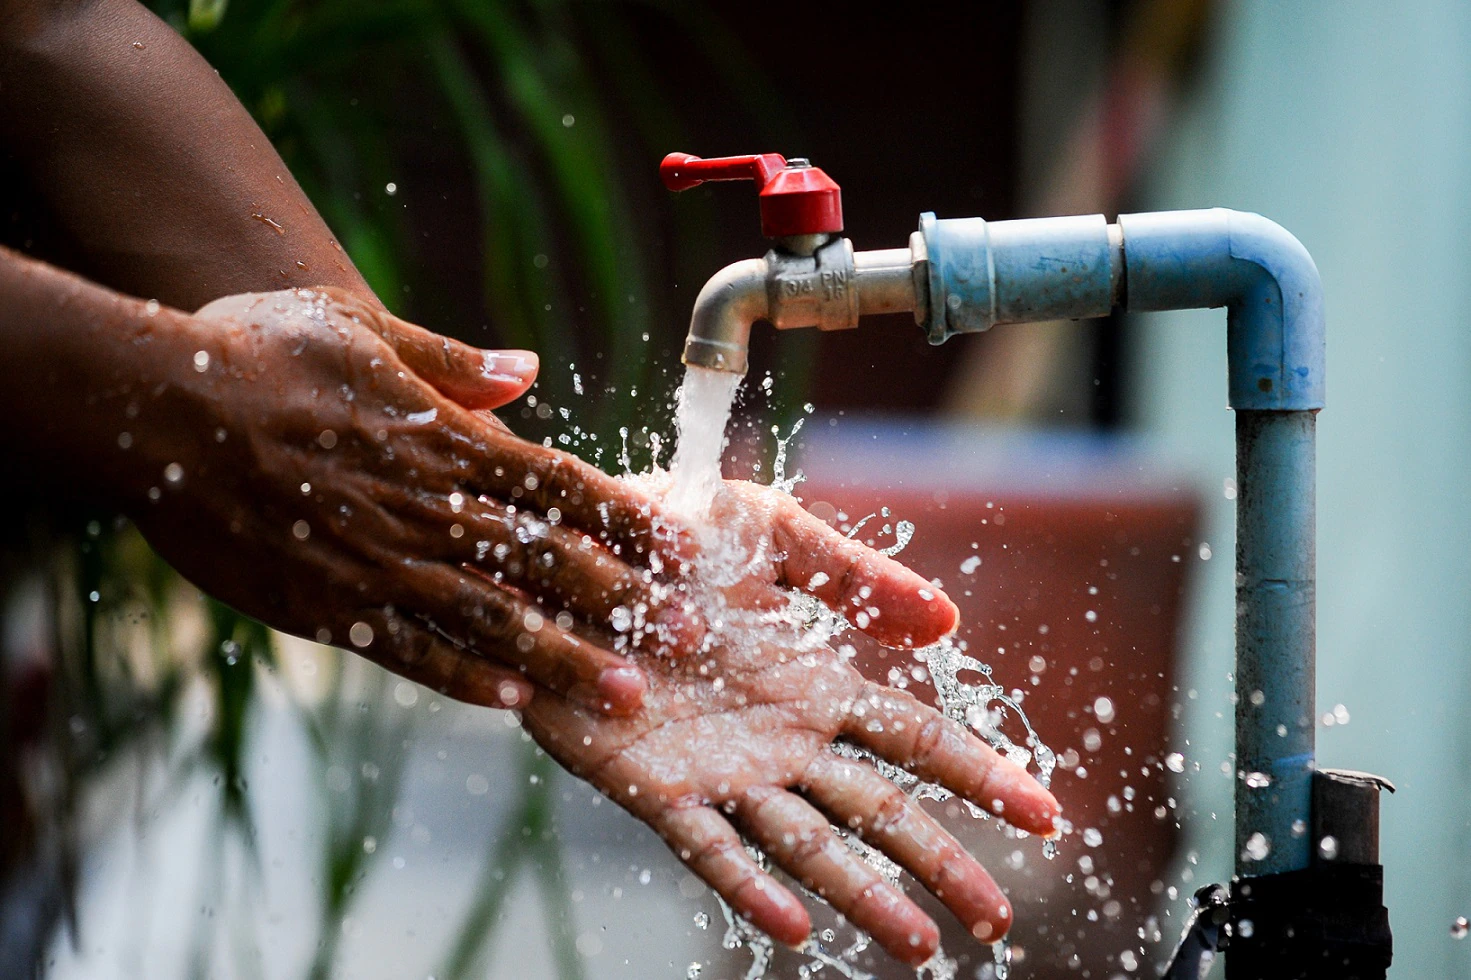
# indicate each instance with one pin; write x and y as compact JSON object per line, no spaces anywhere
{"x":720,"y":327}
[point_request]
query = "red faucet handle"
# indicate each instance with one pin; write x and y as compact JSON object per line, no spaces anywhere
{"x":796,"y":197}
{"x":681,"y":171}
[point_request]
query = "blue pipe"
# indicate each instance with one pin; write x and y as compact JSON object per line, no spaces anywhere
{"x":982,"y":273}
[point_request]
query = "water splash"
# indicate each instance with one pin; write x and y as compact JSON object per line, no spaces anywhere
{"x":703,"y":407}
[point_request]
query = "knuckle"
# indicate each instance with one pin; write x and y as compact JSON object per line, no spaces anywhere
{"x":808,"y":845}
{"x":928,"y":738}
{"x":891,"y":810}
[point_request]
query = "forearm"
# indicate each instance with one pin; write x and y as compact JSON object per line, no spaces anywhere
{"x":150,"y":162}
{"x":86,"y":367}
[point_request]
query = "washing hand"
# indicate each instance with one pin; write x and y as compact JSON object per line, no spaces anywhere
{"x":739,"y":741}
{"x":330,"y":470}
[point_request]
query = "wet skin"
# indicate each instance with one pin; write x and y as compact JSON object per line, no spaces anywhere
{"x":737,"y":741}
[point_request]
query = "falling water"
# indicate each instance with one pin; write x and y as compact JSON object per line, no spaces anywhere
{"x":702,"y":411}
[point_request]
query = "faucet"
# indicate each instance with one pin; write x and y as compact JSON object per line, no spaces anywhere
{"x":964,"y":275}
{"x":811,"y":277}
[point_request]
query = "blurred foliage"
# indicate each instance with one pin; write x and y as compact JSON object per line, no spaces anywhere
{"x":539,"y":107}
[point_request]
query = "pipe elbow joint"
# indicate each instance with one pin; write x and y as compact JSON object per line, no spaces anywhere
{"x":720,"y":326}
{"x":1264,"y":277}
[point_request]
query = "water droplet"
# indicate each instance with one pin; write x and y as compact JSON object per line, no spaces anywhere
{"x":1091,"y":616}
{"x":620,"y":619}
{"x":201,"y":361}
{"x":1328,"y":847}
{"x":390,"y":188}
{"x":1175,"y":762}
{"x":1092,"y":837}
{"x":569,"y":120}
{"x":173,"y":473}
{"x":969,"y":566}
{"x":327,"y":439}
{"x":693,"y":971}
{"x":406,"y":694}
{"x":361,"y":634}
{"x":370,"y":844}
{"x":1257,"y":847}
{"x":1257,"y":780}
{"x":476,"y":784}
{"x":301,"y":530}
{"x":1103,"y":710}
{"x":702,"y":920}
{"x":1245,"y":928}
{"x":1460,"y":927}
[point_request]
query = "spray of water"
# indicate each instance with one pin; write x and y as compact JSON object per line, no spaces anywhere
{"x":703,"y":411}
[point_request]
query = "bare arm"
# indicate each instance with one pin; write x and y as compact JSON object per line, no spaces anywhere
{"x":149,"y":161}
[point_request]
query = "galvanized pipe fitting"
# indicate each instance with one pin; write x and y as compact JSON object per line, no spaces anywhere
{"x":829,"y":289}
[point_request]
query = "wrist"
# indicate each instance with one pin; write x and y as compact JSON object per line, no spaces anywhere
{"x":98,"y":376}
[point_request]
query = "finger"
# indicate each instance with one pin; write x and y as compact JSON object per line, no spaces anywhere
{"x":881,"y":597}
{"x":417,"y":654}
{"x":800,"y":840}
{"x":857,"y":797}
{"x":625,"y":519}
{"x":567,"y":569}
{"x":711,"y":848}
{"x":469,"y":376}
{"x":898,"y":728}
{"x":465,"y":607}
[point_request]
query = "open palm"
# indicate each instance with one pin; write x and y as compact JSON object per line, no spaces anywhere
{"x":738,"y":739}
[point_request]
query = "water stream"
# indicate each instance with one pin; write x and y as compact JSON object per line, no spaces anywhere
{"x":702,"y":411}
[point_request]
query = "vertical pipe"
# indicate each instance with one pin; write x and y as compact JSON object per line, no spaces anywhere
{"x":1275,"y":630}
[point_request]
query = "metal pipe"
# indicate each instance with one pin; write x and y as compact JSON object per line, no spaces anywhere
{"x":720,"y":326}
{"x":981,"y":273}
{"x":829,"y":289}
{"x":1275,"y":629}
{"x":885,"y":280}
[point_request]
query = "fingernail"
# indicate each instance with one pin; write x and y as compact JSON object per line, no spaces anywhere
{"x":509,"y":365}
{"x":621,"y":688}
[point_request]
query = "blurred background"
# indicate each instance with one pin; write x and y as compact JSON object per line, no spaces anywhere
{"x":186,"y":795}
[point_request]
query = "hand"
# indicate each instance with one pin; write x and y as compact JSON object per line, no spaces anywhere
{"x":329,"y":469}
{"x":740,"y":741}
